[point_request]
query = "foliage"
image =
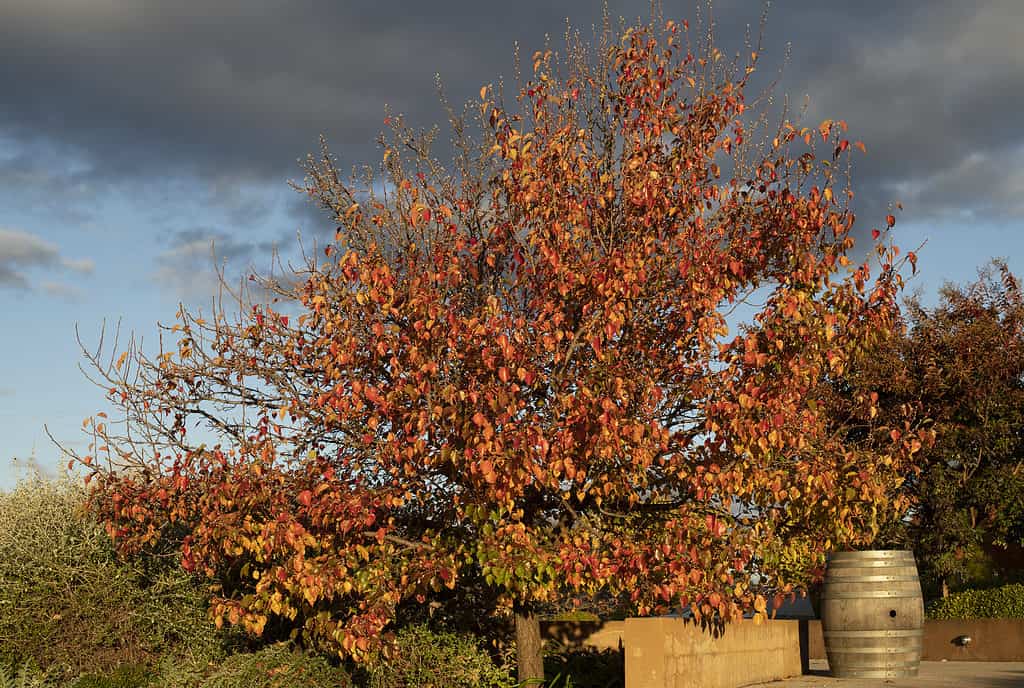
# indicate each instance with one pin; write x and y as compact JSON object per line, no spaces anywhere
{"x":25,"y":675}
{"x":1006,"y":602}
{"x":122,"y":676}
{"x":962,"y":362}
{"x":276,"y":666}
{"x":68,"y":603}
{"x":173,"y":672}
{"x":431,"y":658}
{"x":576,"y":615}
{"x":518,"y":373}
{"x":586,"y":667}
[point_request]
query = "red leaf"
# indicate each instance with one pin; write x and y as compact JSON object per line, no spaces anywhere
{"x":875,"y":234}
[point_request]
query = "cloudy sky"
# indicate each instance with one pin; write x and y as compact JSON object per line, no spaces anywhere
{"x":135,"y":133}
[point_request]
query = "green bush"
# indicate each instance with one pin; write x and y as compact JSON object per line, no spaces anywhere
{"x":275,"y":666}
{"x":123,"y":676}
{"x":172,"y":672}
{"x":70,"y":605}
{"x":585,"y":667}
{"x":25,"y":675}
{"x":1006,"y":602}
{"x":576,"y":615}
{"x":426,"y":659}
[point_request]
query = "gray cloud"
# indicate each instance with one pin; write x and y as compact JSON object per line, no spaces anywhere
{"x":240,"y":90}
{"x":190,"y":262}
{"x":21,"y":253}
{"x":935,"y":92}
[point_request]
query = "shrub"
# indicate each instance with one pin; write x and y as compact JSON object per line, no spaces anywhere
{"x":576,"y":615}
{"x":25,"y":675}
{"x":275,"y":666}
{"x":172,"y":672}
{"x":426,"y":658}
{"x":123,"y":676}
{"x":585,"y":667}
{"x":70,"y":605}
{"x":1006,"y":602}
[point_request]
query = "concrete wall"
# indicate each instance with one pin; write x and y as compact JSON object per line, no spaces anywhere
{"x":676,"y":653}
{"x":992,"y":640}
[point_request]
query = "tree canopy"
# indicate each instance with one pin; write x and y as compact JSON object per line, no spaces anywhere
{"x":961,"y":362}
{"x":588,"y":356}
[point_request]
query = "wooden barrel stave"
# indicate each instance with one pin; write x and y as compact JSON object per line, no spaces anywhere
{"x":872,"y":614}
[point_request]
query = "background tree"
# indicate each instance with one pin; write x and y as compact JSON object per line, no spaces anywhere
{"x":520,"y":374}
{"x":962,"y":362}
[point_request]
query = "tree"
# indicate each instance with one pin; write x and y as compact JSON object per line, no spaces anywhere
{"x":962,"y":362}
{"x":521,"y":372}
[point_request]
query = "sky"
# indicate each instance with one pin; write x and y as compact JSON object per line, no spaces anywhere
{"x":135,"y":134}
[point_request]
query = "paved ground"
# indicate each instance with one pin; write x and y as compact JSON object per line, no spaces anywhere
{"x":931,"y":675}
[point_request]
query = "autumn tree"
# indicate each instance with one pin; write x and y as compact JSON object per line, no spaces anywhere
{"x":962,"y":363}
{"x":584,"y":357}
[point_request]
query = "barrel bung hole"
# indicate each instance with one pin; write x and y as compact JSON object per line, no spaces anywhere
{"x":892,"y":613}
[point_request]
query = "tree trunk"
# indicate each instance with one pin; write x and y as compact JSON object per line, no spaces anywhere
{"x":529,"y":659}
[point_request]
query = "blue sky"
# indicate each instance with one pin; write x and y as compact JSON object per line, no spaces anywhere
{"x":135,"y":134}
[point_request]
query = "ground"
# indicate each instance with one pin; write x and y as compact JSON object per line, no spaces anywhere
{"x":932,"y":675}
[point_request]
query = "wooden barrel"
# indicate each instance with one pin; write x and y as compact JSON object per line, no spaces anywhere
{"x":872,"y":614}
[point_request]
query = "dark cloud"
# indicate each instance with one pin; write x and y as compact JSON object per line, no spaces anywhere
{"x":239,"y":90}
{"x":244,"y":85}
{"x":935,"y":90}
{"x":21,"y":254}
